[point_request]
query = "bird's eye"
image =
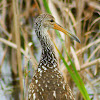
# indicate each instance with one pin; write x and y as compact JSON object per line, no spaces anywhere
{"x":51,"y":20}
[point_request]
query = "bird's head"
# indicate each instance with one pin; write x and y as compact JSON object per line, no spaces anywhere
{"x":48,"y":21}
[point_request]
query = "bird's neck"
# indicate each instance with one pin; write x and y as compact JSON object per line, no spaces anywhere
{"x":48,"y":57}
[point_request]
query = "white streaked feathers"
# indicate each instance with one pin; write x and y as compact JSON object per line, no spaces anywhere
{"x":54,"y":94}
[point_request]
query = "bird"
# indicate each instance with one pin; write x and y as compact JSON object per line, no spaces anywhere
{"x":48,"y":82}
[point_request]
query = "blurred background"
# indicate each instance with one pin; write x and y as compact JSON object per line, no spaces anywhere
{"x":20,"y":50}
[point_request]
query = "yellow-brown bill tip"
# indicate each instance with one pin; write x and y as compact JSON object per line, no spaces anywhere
{"x":71,"y":35}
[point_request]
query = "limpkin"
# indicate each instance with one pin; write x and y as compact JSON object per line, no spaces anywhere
{"x":48,"y":82}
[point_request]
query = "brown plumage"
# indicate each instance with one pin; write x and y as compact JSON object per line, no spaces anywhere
{"x":48,"y":83}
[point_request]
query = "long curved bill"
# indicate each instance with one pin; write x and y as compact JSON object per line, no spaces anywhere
{"x":71,"y":35}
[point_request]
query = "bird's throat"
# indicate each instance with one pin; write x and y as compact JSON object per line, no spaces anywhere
{"x":48,"y":57}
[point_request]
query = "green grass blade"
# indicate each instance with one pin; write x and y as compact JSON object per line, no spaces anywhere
{"x":46,"y":6}
{"x":75,"y":76}
{"x":78,"y":77}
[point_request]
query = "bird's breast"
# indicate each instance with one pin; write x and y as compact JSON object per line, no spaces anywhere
{"x":47,"y":84}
